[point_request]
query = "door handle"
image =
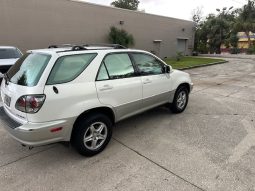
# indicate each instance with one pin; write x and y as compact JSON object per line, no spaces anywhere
{"x":106,"y":87}
{"x":147,"y":81}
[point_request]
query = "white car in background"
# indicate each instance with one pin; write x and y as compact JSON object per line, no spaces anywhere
{"x":77,"y":93}
{"x":8,"y":56}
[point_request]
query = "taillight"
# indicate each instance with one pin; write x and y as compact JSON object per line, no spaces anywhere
{"x":30,"y":103}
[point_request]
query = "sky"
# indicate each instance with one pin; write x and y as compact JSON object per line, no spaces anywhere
{"x":181,"y":9}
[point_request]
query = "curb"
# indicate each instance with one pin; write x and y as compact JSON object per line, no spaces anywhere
{"x":227,"y":56}
{"x":203,"y":65}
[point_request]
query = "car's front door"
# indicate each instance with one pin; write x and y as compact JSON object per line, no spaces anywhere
{"x":118,"y":85}
{"x":156,"y":82}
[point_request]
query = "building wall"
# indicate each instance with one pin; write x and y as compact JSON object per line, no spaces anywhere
{"x":243,"y":39}
{"x":32,"y":24}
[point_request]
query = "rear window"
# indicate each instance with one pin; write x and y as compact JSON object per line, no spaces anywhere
{"x":28,"y":69}
{"x":67,"y":68}
{"x":9,"y":53}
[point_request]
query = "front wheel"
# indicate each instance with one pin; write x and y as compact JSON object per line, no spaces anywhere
{"x":180,"y":101}
{"x":92,"y":134}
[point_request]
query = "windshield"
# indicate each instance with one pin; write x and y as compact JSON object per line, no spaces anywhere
{"x":9,"y":53}
{"x":28,"y":69}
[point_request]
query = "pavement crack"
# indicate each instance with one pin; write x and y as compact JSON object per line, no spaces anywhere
{"x":24,"y":157}
{"x":160,"y":166}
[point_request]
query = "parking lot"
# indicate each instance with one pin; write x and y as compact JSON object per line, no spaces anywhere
{"x":211,"y":146}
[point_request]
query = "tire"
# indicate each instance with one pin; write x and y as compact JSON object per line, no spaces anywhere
{"x":92,"y":134}
{"x":180,"y":101}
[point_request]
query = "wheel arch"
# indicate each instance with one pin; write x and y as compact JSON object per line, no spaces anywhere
{"x":102,"y":110}
{"x":186,"y":85}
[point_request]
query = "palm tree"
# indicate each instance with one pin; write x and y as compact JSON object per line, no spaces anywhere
{"x":246,"y":20}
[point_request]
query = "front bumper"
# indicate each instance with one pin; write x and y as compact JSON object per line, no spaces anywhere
{"x":36,"y":134}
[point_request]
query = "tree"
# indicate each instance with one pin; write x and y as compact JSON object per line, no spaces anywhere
{"x":197,"y":15}
{"x":120,"y":36}
{"x":215,"y":30}
{"x":126,"y":4}
{"x":246,"y":20}
{"x":197,"y":19}
{"x":233,"y":39}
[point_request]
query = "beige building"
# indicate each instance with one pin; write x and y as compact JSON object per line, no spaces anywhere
{"x":31,"y":24}
{"x":243,"y":40}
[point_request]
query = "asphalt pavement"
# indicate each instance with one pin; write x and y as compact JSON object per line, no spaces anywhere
{"x":211,"y":146}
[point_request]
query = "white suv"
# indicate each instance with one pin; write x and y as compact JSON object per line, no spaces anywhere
{"x":77,"y":93}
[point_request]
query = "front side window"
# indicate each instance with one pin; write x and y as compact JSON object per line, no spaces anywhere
{"x":28,"y":69}
{"x":116,"y":66}
{"x":147,"y":64}
{"x":67,"y":68}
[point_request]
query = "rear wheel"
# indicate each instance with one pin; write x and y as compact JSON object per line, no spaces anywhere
{"x":92,"y":134}
{"x":180,"y":101}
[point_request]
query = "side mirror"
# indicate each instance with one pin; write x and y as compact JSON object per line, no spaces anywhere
{"x":167,"y":69}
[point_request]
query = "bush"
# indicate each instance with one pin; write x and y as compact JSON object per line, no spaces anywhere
{"x":202,"y":48}
{"x":251,"y":50}
{"x":179,"y":55}
{"x":120,"y":36}
{"x":235,"y":51}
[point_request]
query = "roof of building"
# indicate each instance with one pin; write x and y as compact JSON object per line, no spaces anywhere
{"x":139,"y":12}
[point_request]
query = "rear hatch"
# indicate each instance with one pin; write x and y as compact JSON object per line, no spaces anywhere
{"x":21,"y":80}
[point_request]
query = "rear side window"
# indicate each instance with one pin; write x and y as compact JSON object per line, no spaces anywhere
{"x":102,"y":75}
{"x":67,"y":68}
{"x":28,"y":69}
{"x":116,"y":66}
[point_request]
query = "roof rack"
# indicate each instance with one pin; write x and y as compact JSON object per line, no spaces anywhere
{"x":115,"y":46}
{"x":75,"y":47}
{"x":61,"y":45}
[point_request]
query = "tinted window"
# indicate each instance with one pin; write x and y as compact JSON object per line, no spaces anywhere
{"x":118,"y":66}
{"x":8,"y":53}
{"x":147,"y":64}
{"x":28,"y":69}
{"x":67,"y":68}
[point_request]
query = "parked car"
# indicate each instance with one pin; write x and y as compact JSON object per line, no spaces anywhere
{"x":78,"y":93}
{"x":8,"y":56}
{"x":194,"y":53}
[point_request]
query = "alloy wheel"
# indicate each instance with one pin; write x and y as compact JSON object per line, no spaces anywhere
{"x":95,"y":136}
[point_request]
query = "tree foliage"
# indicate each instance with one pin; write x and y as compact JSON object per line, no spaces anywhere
{"x":120,"y":36}
{"x":246,"y":20}
{"x":197,"y":19}
{"x":197,"y":16}
{"x":126,"y":4}
{"x":219,"y":29}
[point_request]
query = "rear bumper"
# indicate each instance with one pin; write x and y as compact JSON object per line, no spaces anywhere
{"x":37,"y":134}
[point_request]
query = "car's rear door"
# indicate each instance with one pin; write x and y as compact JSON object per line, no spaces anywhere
{"x":118,"y":85}
{"x":66,"y":90}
